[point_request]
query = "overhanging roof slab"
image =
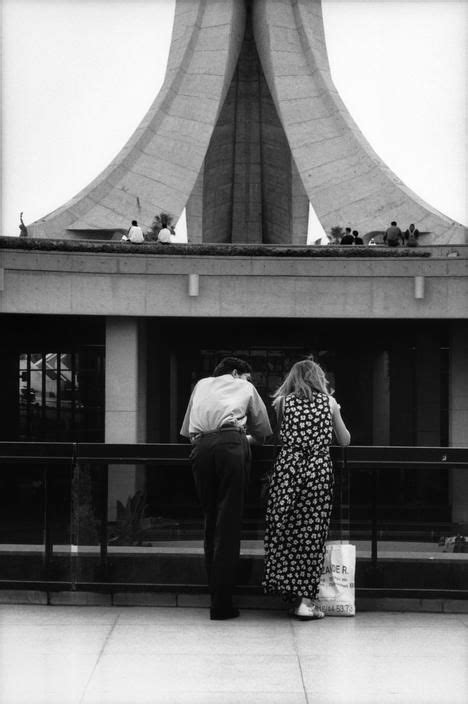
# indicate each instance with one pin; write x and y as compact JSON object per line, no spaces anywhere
{"x":133,"y":284}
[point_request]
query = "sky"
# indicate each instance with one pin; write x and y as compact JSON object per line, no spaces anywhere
{"x":79,"y":75}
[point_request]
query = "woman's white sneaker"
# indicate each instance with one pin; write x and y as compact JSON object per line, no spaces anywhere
{"x":303,"y":612}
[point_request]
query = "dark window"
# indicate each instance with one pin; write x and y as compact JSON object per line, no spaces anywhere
{"x":61,"y":395}
{"x":270,"y":366}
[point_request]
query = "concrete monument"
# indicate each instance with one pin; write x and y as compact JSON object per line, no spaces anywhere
{"x":248,"y":128}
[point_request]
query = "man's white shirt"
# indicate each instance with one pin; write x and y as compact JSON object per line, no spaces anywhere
{"x":135,"y":234}
{"x":165,"y":236}
{"x":217,"y":401}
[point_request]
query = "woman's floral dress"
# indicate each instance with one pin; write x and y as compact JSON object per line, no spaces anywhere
{"x":300,"y":499}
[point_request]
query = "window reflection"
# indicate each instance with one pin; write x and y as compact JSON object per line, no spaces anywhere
{"x":61,"y":395}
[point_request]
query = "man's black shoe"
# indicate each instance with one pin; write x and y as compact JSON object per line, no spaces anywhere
{"x":223,"y":614}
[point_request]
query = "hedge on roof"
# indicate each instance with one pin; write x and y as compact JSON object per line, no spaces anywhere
{"x":213,"y":250}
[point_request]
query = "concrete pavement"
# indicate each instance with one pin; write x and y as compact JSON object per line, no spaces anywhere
{"x":164,"y":655}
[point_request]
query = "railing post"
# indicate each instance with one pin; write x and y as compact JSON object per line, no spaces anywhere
{"x":374,"y":495}
{"x":344,"y":494}
{"x":74,"y":517}
{"x":47,"y":535}
{"x":104,"y":519}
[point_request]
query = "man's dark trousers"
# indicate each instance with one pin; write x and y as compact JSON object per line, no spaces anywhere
{"x":220,"y":464}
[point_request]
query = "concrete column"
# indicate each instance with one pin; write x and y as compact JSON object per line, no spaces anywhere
{"x":402,"y":393}
{"x":458,"y":414}
{"x":299,"y":207}
{"x":174,"y":397}
{"x":428,"y":389}
{"x":125,"y":419}
{"x":381,"y":400}
{"x":194,"y":211}
{"x":247,"y":208}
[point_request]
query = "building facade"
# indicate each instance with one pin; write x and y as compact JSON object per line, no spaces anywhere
{"x":106,"y":346}
{"x":103,"y":342}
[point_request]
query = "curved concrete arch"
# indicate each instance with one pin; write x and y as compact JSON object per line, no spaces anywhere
{"x":157,"y":169}
{"x":344,"y":178}
{"x":309,"y":147}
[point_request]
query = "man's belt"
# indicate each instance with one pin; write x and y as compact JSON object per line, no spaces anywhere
{"x":221,"y":429}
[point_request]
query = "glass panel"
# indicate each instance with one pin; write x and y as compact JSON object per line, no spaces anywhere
{"x":89,"y":524}
{"x":58,"y":399}
{"x":35,"y":386}
{"x":23,"y":526}
{"x":51,"y":360}
{"x":412,"y":522}
{"x":155,"y":535}
{"x":86,"y":491}
{"x":23,"y":361}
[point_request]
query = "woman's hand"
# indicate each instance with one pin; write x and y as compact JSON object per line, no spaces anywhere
{"x":342,"y":433}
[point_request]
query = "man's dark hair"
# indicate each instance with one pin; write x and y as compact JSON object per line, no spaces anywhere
{"x":355,"y":233}
{"x":134,"y":222}
{"x":348,"y":229}
{"x":228,"y":364}
{"x":393,"y":223}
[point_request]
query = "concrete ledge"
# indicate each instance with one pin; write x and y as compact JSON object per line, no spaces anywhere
{"x":455,"y":606}
{"x":258,"y":601}
{"x":144,"y":599}
{"x":20,"y":596}
{"x":396,"y":604}
{"x":80,"y":599}
{"x":197,"y":600}
{"x":244,"y":601}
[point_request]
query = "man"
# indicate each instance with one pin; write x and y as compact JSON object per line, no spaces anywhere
{"x":134,"y":234}
{"x":392,"y":235}
{"x":22,"y":227}
{"x":356,"y":238}
{"x":222,"y":409}
{"x":165,"y":236}
{"x":347,"y":237}
{"x":411,"y":236}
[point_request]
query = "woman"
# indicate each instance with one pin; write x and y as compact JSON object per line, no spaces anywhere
{"x":300,"y":500}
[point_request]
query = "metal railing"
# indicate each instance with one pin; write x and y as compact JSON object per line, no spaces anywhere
{"x":102,"y":459}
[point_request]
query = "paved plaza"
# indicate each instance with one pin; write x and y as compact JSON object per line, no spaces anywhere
{"x":161,"y":655}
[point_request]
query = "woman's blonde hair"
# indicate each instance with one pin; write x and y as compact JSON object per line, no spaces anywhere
{"x":304,"y":378}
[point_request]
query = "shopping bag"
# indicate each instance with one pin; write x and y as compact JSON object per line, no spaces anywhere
{"x":336,"y":590}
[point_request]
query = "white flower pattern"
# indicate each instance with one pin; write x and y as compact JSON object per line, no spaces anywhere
{"x":300,"y":499}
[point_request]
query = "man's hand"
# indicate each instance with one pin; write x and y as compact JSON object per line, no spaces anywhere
{"x":255,"y":441}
